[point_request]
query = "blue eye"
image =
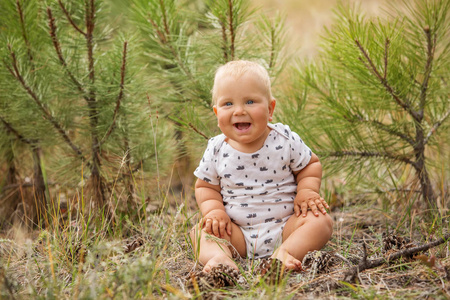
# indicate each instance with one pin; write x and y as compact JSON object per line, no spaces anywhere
{"x":228,"y":104}
{"x":250,"y":102}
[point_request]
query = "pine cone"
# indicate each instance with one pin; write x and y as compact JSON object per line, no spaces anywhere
{"x":392,"y":241}
{"x":219,"y":277}
{"x":317,"y":260}
{"x":133,"y":245}
{"x":224,"y":275}
{"x":199,"y":281}
{"x":271,"y":269}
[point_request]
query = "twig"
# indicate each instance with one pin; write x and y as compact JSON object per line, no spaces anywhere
{"x":20,"y":137}
{"x":164,"y":15}
{"x":231,"y":28}
{"x":24,"y":33}
{"x":372,"y":68}
{"x":225,"y":40}
{"x":161,"y":36}
{"x":120,"y":96}
{"x":386,"y":51}
{"x":70,"y":19}
{"x":272,"y":48}
{"x":435,"y":127}
{"x":198,"y":131}
{"x":350,"y":274}
{"x":342,"y":258}
{"x":431,"y":46}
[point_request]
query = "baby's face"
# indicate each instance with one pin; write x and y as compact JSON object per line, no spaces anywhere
{"x":243,"y":109}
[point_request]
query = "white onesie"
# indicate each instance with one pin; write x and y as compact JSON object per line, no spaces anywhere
{"x":258,"y":189}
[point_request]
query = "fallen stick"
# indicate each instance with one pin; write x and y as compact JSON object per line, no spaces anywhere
{"x":350,"y":275}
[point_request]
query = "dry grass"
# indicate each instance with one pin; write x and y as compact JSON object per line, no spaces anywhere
{"x":151,"y":258}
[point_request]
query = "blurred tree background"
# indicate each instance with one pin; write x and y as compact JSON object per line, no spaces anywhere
{"x":106,"y":104}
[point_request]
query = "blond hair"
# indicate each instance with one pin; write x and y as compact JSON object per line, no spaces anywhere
{"x":236,"y":69}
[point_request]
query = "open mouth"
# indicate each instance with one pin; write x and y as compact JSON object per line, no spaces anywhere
{"x":242,"y":126}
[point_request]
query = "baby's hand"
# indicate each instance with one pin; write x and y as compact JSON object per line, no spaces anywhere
{"x":217,"y":222}
{"x":309,"y":199}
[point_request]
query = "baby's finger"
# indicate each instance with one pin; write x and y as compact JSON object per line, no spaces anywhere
{"x":324,"y":203}
{"x":215,"y":228}
{"x":207,"y":226}
{"x":297,"y":210}
{"x":321,"y":206}
{"x":304,"y":207}
{"x":222,"y":227}
{"x":313,"y":207}
{"x":229,"y":228}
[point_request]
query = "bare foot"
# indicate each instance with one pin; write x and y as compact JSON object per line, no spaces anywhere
{"x":219,"y":259}
{"x":290,"y":262}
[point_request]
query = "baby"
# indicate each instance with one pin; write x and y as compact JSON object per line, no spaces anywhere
{"x":257,"y":180}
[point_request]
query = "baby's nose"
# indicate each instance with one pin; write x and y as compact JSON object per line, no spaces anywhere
{"x":239,"y":110}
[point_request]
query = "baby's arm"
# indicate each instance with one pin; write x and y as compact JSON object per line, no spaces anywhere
{"x":308,"y":185}
{"x":215,"y":220}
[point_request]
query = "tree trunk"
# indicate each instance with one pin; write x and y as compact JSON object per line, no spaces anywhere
{"x":96,"y":177}
{"x":420,"y":167}
{"x":40,"y":198}
{"x":97,"y":181}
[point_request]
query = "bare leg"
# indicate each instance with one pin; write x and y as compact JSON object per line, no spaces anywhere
{"x":211,"y":253}
{"x":303,"y":234}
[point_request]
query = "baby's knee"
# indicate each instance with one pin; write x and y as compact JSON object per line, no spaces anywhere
{"x":327,"y":223}
{"x":195,"y":233}
{"x":324,"y":222}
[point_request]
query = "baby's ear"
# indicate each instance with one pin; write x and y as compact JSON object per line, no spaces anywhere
{"x":272,"y":104}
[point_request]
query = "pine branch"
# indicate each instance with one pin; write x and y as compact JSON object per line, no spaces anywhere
{"x":164,"y":38}
{"x":69,"y":18}
{"x":198,"y":131}
{"x":164,"y":15}
{"x":272,"y":49}
{"x":231,"y":28}
{"x":57,"y":46}
{"x":390,"y":156}
{"x":350,"y":275}
{"x":372,"y":68}
{"x":46,"y":113}
{"x":431,"y":47}
{"x":24,"y":32}
{"x":161,"y":35}
{"x":436,"y":126}
{"x":120,"y":96}
{"x":386,"y":52}
{"x":386,"y":128}
{"x":12,"y":130}
{"x":225,"y":40}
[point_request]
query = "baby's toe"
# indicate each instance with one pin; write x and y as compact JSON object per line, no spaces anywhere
{"x":207,"y":268}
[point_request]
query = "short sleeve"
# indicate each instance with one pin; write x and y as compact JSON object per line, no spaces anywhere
{"x":206,"y":169}
{"x":300,"y":153}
